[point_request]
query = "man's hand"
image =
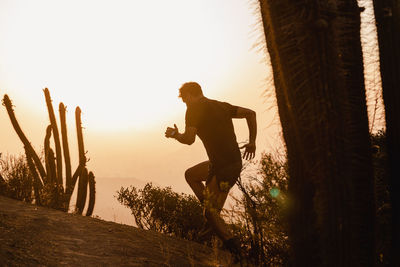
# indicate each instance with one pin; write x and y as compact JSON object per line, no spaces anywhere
{"x":250,"y":151}
{"x":171,"y":132}
{"x":250,"y":116}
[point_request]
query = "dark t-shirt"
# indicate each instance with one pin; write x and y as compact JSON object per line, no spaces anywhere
{"x":213,"y":121}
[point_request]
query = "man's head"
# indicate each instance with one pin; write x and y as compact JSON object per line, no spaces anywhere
{"x":190,"y":92}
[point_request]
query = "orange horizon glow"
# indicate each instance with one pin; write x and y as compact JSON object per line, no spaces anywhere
{"x":123,"y":62}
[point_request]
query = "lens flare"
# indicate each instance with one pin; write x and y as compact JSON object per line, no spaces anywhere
{"x":274,"y":192}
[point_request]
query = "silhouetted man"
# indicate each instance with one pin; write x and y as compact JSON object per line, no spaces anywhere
{"x":211,"y":120}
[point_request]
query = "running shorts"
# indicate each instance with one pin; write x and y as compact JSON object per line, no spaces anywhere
{"x":226,"y":175}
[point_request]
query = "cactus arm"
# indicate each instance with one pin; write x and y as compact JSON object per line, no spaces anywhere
{"x":51,"y":174}
{"x":82,"y":191}
{"x":81,"y":149}
{"x":46,"y":153}
{"x":92,"y":194}
{"x":74,"y":178}
{"x":64,"y":138}
{"x":28,"y":147}
{"x":55,"y":136}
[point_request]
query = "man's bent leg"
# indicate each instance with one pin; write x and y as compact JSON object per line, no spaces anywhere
{"x":215,"y":200}
{"x":195,"y":177}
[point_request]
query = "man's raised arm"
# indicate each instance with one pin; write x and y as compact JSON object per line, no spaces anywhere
{"x":250,"y":117}
{"x":188,"y":137}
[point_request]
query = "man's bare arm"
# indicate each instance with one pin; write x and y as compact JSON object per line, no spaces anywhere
{"x":250,"y":117}
{"x":188,"y":137}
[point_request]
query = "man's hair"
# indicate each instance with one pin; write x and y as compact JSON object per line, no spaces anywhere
{"x":191,"y":88}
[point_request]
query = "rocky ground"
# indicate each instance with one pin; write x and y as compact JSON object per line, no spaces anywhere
{"x":37,"y":236}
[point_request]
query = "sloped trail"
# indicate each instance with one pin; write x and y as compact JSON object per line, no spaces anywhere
{"x":38,"y":236}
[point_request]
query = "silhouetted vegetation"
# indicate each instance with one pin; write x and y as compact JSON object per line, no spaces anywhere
{"x":17,"y":183}
{"x":387,"y":15}
{"x":259,"y":215}
{"x":342,"y":199}
{"x":317,"y":64}
{"x":256,"y":218}
{"x":382,"y":199}
{"x":15,"y":178}
{"x":45,"y":179}
{"x":164,"y":211}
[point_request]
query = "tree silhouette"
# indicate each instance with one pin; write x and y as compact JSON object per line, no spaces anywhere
{"x":387,"y":15}
{"x":316,"y":57}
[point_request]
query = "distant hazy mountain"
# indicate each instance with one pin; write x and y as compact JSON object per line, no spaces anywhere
{"x":107,"y":206}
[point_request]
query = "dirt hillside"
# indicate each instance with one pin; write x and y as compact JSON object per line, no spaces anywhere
{"x":37,"y":236}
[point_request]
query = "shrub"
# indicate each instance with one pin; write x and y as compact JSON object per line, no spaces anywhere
{"x":258,"y":216}
{"x":52,"y":196}
{"x":164,"y":211}
{"x":15,"y":178}
{"x":16,"y":182}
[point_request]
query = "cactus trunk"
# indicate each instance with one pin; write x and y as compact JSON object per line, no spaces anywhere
{"x":64,"y":137}
{"x":55,"y":136}
{"x":92,"y":194}
{"x":51,"y":172}
{"x":387,"y":14}
{"x":74,"y":178}
{"x":46,"y":154}
{"x":81,"y":149}
{"x":315,"y":54}
{"x":21,"y":135}
{"x":82,"y":191}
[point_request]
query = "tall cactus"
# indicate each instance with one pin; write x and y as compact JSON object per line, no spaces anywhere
{"x":387,"y":15}
{"x":83,"y":177}
{"x":55,"y":135}
{"x":315,"y":54}
{"x":64,"y":137}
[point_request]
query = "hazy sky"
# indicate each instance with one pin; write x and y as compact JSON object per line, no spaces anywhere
{"x":122,"y":62}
